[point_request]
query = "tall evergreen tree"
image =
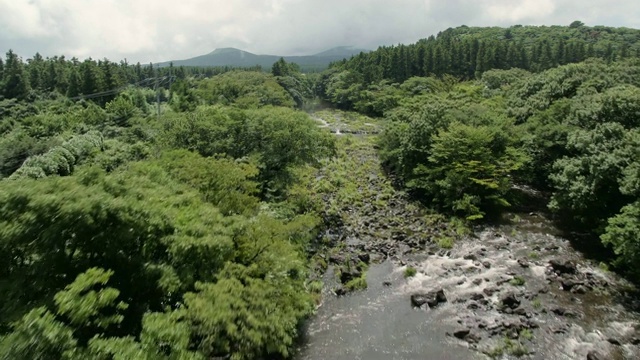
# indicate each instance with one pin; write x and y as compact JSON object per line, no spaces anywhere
{"x":15,"y":80}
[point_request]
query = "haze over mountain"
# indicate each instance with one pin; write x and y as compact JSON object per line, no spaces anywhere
{"x":159,"y":30}
{"x":240,"y":58}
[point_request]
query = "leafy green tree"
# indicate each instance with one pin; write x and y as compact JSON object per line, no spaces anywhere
{"x":587,"y":184}
{"x":621,"y":233}
{"x":468,"y":170}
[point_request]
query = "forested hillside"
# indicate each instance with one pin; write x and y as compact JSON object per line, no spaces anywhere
{"x":474,"y":112}
{"x":180,"y":213}
{"x":128,"y":234}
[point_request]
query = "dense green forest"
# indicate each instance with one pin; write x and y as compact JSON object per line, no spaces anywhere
{"x":132,"y":235}
{"x":467,"y":121}
{"x":172,"y":213}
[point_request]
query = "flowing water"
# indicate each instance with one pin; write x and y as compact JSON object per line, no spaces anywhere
{"x":380,"y":323}
{"x":585,"y":313}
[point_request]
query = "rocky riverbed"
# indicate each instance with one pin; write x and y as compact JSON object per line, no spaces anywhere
{"x":518,"y":289}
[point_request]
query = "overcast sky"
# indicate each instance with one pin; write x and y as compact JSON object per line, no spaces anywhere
{"x":158,"y":30}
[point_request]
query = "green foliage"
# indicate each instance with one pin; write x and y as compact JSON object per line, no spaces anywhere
{"x":359,"y":283}
{"x":278,"y":138}
{"x":15,"y":147}
{"x":38,"y":335}
{"x":85,"y":301}
{"x":247,"y":317}
{"x":244,"y":89}
{"x":410,"y":271}
{"x":468,"y":170}
{"x":61,"y":159}
{"x":621,"y":233}
{"x":517,"y":281}
{"x":225,"y":183}
{"x":445,"y":242}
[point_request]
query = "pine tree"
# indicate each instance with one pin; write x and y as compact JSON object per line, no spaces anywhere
{"x":15,"y":81}
{"x":74,"y":84}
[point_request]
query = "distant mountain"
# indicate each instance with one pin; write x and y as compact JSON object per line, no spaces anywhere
{"x":240,"y":58}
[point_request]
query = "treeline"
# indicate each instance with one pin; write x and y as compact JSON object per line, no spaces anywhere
{"x":71,"y":77}
{"x":465,"y":146}
{"x":125,"y":235}
{"x":465,"y":53}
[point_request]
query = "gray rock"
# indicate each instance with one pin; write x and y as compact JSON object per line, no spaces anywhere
{"x":594,"y":355}
{"x":431,"y":298}
{"x":510,"y":301}
{"x":563,"y":267}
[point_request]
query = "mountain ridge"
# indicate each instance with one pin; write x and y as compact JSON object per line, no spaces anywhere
{"x":234,"y":57}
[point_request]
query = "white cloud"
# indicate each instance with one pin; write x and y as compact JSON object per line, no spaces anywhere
{"x":155,"y":30}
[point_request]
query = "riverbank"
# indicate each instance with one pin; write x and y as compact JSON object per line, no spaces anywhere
{"x":512,"y":290}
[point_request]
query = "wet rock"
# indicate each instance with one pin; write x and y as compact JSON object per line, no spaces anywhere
{"x":467,"y":335}
{"x":580,"y":289}
{"x":471,"y":257}
{"x":562,"y":329}
{"x":567,"y":284}
{"x":347,"y":275}
{"x":521,"y":312}
{"x":560,"y":311}
{"x":364,"y":257}
{"x":473,"y":306}
{"x":477,"y":282}
{"x":386,"y":283}
{"x":510,"y":301}
{"x":486,"y":264}
{"x":337,"y":259}
{"x":476,"y":296}
{"x":340,"y":291}
{"x":523,"y":263}
{"x":563,"y":267}
{"x":614,"y":341}
{"x":431,"y":298}
{"x":490,"y":291}
{"x":462,"y":333}
{"x":594,"y":355}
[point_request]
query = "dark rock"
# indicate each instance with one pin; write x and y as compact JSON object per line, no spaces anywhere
{"x":472,"y":257}
{"x":348,"y":275}
{"x":462,"y":333}
{"x":467,"y":335}
{"x":476,"y":296}
{"x":490,"y":291}
{"x":594,"y":355}
{"x":431,"y":298}
{"x":486,"y":264}
{"x":337,"y":259}
{"x":340,"y":291}
{"x":477,"y":282}
{"x":386,"y":283}
{"x":510,"y":301}
{"x":567,"y":285}
{"x":562,"y":329}
{"x":523,"y":263}
{"x":473,"y":338}
{"x":520,"y":311}
{"x":364,"y":257}
{"x":614,"y":341}
{"x":563,"y":267}
{"x":473,"y":306}
{"x":460,"y":282}
{"x":564,"y":312}
{"x":580,"y":289}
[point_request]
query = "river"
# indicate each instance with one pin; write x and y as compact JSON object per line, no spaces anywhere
{"x":518,"y":288}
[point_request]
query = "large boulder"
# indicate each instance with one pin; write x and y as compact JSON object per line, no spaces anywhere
{"x":561,"y":267}
{"x":510,"y":301}
{"x":431,"y":298}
